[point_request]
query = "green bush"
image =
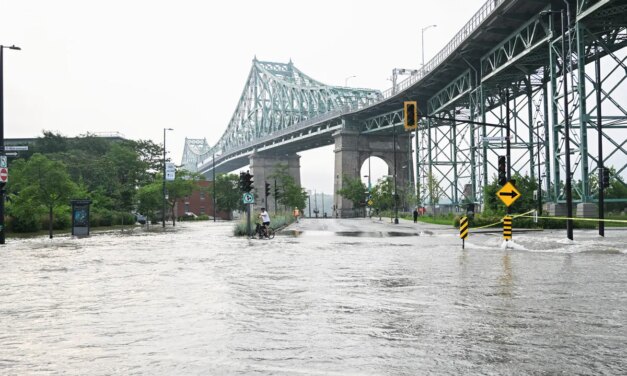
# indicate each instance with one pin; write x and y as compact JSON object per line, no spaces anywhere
{"x":28,"y":223}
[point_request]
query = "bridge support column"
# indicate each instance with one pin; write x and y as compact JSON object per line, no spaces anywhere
{"x":262,"y":167}
{"x":353,"y":149}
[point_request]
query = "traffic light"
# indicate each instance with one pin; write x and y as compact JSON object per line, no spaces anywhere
{"x":248,"y":182}
{"x":502,"y":170}
{"x":605,"y":177}
{"x":240,"y":183}
{"x":267,"y":189}
{"x":411,"y":115}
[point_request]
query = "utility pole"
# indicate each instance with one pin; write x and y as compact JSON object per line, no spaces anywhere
{"x":600,"y":165}
{"x":395,"y":187}
{"x":164,"y":190}
{"x":214,"y":187}
{"x":567,"y":185}
{"x":276,"y":191}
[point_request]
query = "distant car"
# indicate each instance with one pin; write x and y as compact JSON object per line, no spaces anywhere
{"x":189,"y":215}
{"x":140,"y":218}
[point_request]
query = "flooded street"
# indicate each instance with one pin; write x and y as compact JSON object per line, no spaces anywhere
{"x":325,"y":297}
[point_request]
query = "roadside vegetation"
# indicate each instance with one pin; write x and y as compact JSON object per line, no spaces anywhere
{"x":119,"y":176}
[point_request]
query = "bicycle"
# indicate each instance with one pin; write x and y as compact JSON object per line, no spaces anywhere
{"x":260,"y":233}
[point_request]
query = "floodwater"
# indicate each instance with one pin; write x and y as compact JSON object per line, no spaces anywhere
{"x":197,"y":301}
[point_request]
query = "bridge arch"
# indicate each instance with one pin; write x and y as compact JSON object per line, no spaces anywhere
{"x":352,"y":150}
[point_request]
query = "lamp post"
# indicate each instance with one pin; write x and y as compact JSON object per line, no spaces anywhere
{"x":2,"y":185}
{"x":422,"y":37}
{"x":214,"y":186}
{"x":164,"y":194}
{"x":348,"y":78}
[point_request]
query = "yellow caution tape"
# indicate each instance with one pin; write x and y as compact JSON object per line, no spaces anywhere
{"x":501,"y":221}
{"x":525,"y":215}
{"x":580,"y":219}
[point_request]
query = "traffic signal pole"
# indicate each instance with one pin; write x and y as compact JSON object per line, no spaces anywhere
{"x":597,"y":69}
{"x":248,"y":226}
{"x":276,"y":191}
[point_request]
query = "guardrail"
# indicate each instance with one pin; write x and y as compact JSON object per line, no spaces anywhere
{"x":470,"y":26}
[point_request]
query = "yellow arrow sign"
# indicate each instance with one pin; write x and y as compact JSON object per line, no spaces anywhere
{"x":508,"y":194}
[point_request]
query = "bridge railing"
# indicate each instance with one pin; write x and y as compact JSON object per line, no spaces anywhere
{"x":470,"y":26}
{"x":295,"y":128}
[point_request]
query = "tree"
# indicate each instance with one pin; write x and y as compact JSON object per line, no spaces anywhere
{"x":383,"y":195}
{"x":42,"y":182}
{"x":435,"y":191}
{"x":292,"y":194}
{"x":228,"y":196}
{"x":524,"y":203}
{"x":150,"y":200}
{"x":182,"y":186}
{"x":354,"y":190}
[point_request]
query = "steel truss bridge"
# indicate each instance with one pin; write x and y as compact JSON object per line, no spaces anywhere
{"x":513,"y":45}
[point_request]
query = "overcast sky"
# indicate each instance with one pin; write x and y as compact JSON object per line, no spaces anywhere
{"x":137,"y":66}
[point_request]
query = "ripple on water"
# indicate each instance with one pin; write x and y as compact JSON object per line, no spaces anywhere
{"x":199,"y":301}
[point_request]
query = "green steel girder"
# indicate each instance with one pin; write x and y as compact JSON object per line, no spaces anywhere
{"x":527,"y":39}
{"x":193,"y":151}
{"x":278,"y":96}
{"x":383,"y":122}
{"x":449,"y":153}
{"x":602,"y":22}
{"x":452,"y":93}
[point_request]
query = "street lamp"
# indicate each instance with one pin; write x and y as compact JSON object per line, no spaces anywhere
{"x":2,"y":184}
{"x":164,"y":198}
{"x":348,"y":78}
{"x":422,"y":36}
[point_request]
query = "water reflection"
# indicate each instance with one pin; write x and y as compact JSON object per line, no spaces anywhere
{"x":200,"y":301}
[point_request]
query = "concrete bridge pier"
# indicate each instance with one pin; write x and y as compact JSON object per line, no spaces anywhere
{"x":353,"y":149}
{"x":262,"y":167}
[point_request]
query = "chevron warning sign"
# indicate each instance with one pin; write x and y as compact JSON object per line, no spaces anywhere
{"x":463,"y":227}
{"x":507,"y":227}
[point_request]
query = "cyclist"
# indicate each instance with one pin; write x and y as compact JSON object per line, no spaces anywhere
{"x":265,"y":219}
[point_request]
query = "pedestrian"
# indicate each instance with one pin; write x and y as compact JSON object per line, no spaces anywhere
{"x":415,"y":215}
{"x":296,"y":214}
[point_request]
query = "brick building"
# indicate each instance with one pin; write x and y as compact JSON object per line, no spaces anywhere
{"x":199,"y":202}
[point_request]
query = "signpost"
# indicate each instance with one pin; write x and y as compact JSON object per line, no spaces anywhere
{"x":507,"y":228}
{"x":170,"y":171}
{"x":508,"y":194}
{"x":16,"y":148}
{"x":248,"y":198}
{"x":463,"y":230}
{"x":4,"y":175}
